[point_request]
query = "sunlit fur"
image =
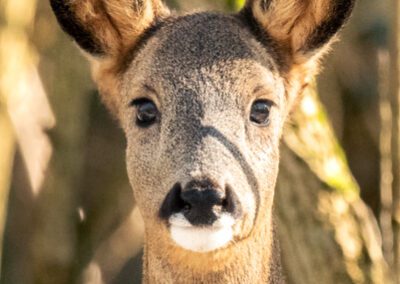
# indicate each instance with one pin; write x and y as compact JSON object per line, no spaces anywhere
{"x":117,"y":24}
{"x":203,"y":72}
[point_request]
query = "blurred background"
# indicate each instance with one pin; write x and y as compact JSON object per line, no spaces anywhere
{"x":67,"y":214}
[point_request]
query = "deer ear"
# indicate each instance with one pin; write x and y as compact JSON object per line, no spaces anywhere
{"x":304,"y":27}
{"x":107,"y":28}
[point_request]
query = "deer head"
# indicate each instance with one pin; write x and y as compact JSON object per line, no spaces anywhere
{"x":202,"y":99}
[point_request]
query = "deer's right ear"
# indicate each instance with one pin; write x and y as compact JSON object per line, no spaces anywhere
{"x":107,"y":28}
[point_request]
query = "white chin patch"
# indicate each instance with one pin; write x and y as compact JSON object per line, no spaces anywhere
{"x":201,"y":239}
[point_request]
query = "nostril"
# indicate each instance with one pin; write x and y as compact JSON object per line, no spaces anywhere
{"x":224,"y":203}
{"x":187,"y":207}
{"x":200,"y":203}
{"x":173,"y":202}
{"x":231,"y":203}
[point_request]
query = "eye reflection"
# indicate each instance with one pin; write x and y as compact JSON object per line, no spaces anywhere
{"x":260,"y":112}
{"x":146,"y":112}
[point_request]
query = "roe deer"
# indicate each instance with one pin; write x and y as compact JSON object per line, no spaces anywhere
{"x":202,"y":99}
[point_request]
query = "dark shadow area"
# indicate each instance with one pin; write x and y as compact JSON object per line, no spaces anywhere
{"x":131,"y":272}
{"x":105,"y":194}
{"x":17,"y":258}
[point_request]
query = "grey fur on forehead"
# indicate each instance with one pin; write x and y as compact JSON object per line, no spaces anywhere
{"x":204,"y":39}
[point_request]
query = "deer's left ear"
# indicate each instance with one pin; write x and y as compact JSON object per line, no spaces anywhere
{"x":303,"y":27}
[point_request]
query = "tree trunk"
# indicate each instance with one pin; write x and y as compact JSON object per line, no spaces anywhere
{"x":322,"y":220}
{"x":322,"y":235}
{"x":43,"y":218}
{"x":57,"y":207}
{"x":395,"y":103}
{"x":17,"y":87}
{"x":7,"y":145}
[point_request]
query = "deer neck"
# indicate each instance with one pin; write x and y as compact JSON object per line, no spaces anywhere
{"x":253,"y":260}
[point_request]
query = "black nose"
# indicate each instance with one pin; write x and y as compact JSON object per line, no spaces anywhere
{"x":201,"y":202}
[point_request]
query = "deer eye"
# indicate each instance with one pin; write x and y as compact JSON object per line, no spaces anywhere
{"x":146,"y":112}
{"x":260,"y":111}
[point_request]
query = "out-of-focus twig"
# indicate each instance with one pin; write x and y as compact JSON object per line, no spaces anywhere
{"x":17,"y":96}
{"x":385,"y":148}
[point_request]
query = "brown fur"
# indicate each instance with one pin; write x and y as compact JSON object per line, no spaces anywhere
{"x":117,"y":24}
{"x":291,"y":22}
{"x":203,"y":71}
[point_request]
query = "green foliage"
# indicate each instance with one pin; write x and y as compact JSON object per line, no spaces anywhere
{"x":172,"y":4}
{"x":235,"y":5}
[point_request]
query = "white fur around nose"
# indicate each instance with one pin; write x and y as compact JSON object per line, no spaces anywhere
{"x":201,"y":239}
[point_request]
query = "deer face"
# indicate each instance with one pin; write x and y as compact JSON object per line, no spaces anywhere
{"x":203,"y":121}
{"x":202,"y":100}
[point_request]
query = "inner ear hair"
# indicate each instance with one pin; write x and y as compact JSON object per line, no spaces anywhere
{"x":73,"y":26}
{"x":305,"y":27}
{"x":339,"y":12}
{"x":107,"y":27}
